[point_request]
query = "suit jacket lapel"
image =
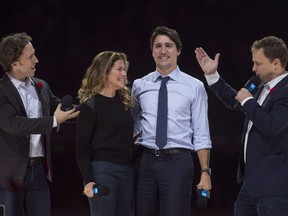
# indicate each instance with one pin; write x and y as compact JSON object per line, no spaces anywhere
{"x":241,"y":165}
{"x":45,"y":138}
{"x":259,"y":91}
{"x":256,"y":97}
{"x":266,"y":101}
{"x":14,"y":92}
{"x":281,"y":84}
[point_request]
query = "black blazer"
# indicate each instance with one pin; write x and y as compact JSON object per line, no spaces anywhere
{"x":15,"y":130}
{"x":266,"y":169}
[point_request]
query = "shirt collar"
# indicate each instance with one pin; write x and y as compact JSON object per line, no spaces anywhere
{"x":17,"y":82}
{"x":174,"y":75}
{"x":271,"y":84}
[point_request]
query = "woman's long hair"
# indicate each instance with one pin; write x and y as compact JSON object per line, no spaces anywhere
{"x":96,"y":77}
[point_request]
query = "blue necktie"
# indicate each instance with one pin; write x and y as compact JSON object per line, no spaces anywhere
{"x":161,"y":128}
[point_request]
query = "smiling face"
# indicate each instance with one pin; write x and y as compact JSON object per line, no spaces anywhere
{"x":25,"y":66}
{"x":165,"y":54}
{"x":116,"y":78}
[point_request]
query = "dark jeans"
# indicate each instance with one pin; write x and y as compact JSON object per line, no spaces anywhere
{"x":32,"y":200}
{"x":120,"y":181}
{"x":245,"y":205}
{"x":165,"y":181}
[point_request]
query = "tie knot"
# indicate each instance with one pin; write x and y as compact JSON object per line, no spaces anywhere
{"x":164,"y":80}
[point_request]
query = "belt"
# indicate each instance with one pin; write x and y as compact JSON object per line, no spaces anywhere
{"x":163,"y":152}
{"x":35,"y":161}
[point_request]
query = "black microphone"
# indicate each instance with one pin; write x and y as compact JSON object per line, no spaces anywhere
{"x":202,"y":198}
{"x":100,"y":190}
{"x":2,"y":210}
{"x":67,"y":103}
{"x":252,"y":85}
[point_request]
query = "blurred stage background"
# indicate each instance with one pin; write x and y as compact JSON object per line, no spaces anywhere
{"x":68,"y":34}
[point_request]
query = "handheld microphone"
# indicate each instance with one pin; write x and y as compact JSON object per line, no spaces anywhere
{"x":66,"y":105}
{"x":202,"y":198}
{"x":67,"y":102}
{"x":252,"y":86}
{"x":2,"y":210}
{"x":100,"y":190}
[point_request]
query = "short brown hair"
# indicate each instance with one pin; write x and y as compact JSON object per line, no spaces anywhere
{"x":171,"y":33}
{"x":273,"y":48}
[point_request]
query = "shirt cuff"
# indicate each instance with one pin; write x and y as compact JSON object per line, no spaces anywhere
{"x":245,"y":100}
{"x":54,"y":122}
{"x":212,"y":78}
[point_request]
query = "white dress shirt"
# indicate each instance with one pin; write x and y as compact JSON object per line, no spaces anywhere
{"x":33,"y":109}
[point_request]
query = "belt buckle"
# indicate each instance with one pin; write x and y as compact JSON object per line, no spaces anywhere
{"x":34,"y":161}
{"x":157,"y":153}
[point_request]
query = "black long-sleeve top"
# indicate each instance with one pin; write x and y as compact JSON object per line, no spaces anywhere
{"x":104,"y":133}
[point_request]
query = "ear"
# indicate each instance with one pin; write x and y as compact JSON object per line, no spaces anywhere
{"x":277,"y":66}
{"x":276,"y":62}
{"x":15,"y":64}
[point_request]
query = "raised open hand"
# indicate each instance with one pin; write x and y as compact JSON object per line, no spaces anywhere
{"x":208,"y":65}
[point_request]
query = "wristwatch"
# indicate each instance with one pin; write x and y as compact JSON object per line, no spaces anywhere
{"x":207,"y":170}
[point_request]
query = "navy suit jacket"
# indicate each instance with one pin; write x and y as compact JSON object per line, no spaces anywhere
{"x":266,"y":169}
{"x":15,"y":130}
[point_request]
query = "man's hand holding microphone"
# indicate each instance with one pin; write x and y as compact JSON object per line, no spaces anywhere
{"x":65,"y":110}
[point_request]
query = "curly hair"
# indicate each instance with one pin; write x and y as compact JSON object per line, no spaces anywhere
{"x":96,"y":77}
{"x":11,"y":49}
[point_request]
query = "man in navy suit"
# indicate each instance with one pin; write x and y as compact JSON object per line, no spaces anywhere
{"x":26,"y":121}
{"x":263,"y":166}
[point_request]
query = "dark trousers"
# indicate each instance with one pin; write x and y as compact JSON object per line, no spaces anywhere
{"x":165,"y":183}
{"x":245,"y":205}
{"x":119,"y":179}
{"x":32,"y":200}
